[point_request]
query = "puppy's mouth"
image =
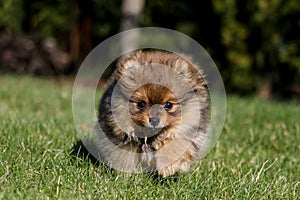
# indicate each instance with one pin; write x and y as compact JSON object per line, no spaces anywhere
{"x":143,"y":135}
{"x":146,"y":135}
{"x":147,"y":132}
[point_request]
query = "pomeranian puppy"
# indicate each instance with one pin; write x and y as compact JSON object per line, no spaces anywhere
{"x":154,"y":113}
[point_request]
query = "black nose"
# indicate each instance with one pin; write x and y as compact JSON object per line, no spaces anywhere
{"x":154,"y":121}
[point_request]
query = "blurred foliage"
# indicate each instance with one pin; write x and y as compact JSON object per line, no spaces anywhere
{"x":250,"y":41}
{"x":11,"y":15}
{"x":261,"y":41}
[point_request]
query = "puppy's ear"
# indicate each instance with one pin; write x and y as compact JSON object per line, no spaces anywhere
{"x":192,"y":73}
{"x":181,"y":66}
{"x":185,"y":69}
{"x":128,"y":65}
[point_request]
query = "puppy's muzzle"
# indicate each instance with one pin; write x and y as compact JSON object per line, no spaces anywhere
{"x":154,"y":121}
{"x":155,"y":114}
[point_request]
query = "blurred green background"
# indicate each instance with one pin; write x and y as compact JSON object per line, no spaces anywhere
{"x":255,"y":43}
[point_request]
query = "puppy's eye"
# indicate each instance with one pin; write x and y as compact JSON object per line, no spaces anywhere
{"x":141,"y":104}
{"x":168,"y":106}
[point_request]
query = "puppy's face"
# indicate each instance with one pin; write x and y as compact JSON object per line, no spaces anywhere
{"x":154,"y":106}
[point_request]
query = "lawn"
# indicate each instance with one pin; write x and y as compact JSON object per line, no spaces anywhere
{"x":257,"y":155}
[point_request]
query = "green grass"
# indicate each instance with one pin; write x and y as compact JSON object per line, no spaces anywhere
{"x":256,"y":157}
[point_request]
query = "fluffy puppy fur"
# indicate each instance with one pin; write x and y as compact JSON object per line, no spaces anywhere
{"x":156,"y":107}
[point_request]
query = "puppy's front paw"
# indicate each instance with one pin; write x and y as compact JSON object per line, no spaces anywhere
{"x":178,"y":166}
{"x":169,"y":160}
{"x":167,"y":171}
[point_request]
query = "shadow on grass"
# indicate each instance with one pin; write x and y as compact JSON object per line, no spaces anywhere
{"x":79,"y":151}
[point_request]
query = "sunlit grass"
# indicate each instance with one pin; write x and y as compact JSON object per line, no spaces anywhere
{"x":256,"y":157}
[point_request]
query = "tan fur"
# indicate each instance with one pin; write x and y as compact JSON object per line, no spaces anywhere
{"x":142,"y":77}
